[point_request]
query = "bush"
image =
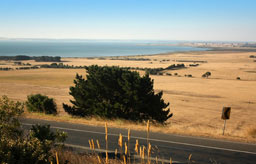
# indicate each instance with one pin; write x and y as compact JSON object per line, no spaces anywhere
{"x":43,"y":133}
{"x":41,"y":103}
{"x":24,"y":149}
{"x":10,"y":111}
{"x":114,"y":92}
{"x":168,"y":74}
{"x":206,"y":74}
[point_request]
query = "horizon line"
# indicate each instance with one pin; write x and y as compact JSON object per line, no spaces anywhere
{"x":27,"y":38}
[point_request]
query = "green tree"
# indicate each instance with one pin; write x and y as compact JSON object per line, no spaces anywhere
{"x":41,"y":103}
{"x":114,"y":92}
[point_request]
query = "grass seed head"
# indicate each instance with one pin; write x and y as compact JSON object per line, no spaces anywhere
{"x":129,"y":134}
{"x":148,"y":125}
{"x":126,"y":148}
{"x":115,"y":152}
{"x":106,"y":131}
{"x":137,"y":147}
{"x":120,"y":141}
{"x":90,"y":144}
{"x":149,"y":150}
{"x":140,"y":152}
{"x":98,"y":144}
{"x":143,"y":152}
{"x":106,"y":128}
{"x":189,"y":157}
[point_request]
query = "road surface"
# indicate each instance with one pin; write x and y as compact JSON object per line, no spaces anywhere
{"x":177,"y":147}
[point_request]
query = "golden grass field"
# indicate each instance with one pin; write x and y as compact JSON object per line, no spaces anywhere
{"x":195,"y":102}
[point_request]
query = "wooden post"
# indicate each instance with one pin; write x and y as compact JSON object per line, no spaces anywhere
{"x":224,"y":127}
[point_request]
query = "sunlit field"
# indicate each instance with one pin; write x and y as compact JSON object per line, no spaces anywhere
{"x":196,"y":102}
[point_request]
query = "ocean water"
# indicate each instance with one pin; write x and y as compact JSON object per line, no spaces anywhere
{"x":87,"y":48}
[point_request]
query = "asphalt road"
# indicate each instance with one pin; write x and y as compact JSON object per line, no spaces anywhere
{"x":177,"y":147}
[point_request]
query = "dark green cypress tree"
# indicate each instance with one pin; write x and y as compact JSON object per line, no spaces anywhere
{"x":114,"y":92}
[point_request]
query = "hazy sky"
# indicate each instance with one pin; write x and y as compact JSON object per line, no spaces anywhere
{"x":214,"y":20}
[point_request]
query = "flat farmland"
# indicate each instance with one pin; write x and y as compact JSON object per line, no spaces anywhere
{"x":196,"y":102}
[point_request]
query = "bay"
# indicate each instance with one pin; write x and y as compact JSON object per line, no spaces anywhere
{"x":88,"y":48}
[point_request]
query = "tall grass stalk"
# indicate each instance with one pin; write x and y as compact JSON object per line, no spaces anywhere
{"x":106,"y":136}
{"x":106,"y":139}
{"x":129,"y":138}
{"x":125,"y":148}
{"x":93,"y":146}
{"x":98,"y":144}
{"x":120,"y":143}
{"x":90,"y":144}
{"x":99,"y":160}
{"x":143,"y":153}
{"x":57,"y":159}
{"x":149,"y":153}
{"x":189,"y":158}
{"x":115,"y":153}
{"x":137,"y":147}
{"x":124,"y":159}
{"x":148,"y":126}
{"x":106,"y":157}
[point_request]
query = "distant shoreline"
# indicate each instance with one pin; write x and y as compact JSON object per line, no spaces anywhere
{"x":213,"y":50}
{"x":116,"y":49}
{"x":89,"y":49}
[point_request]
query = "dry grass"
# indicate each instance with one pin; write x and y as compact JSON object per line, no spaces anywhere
{"x":252,"y":132}
{"x":80,"y":158}
{"x":102,"y":157}
{"x":195,"y":102}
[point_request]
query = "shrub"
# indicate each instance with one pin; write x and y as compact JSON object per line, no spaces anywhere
{"x":31,"y":149}
{"x":238,"y":78}
{"x":168,"y":74}
{"x":114,"y":92}
{"x":41,"y":103}
{"x":10,"y":111}
{"x":24,"y":149}
{"x":43,"y":133}
{"x":206,"y":74}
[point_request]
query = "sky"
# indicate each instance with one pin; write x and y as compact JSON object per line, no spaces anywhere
{"x":195,"y":20}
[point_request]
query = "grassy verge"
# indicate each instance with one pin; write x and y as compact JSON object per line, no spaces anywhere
{"x":248,"y":136}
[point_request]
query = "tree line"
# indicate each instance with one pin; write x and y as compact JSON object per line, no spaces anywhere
{"x":36,"y":58}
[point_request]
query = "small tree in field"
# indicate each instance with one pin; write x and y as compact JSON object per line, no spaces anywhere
{"x":41,"y":103}
{"x":114,"y":92}
{"x":206,"y":74}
